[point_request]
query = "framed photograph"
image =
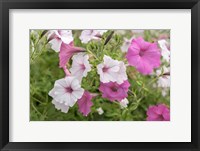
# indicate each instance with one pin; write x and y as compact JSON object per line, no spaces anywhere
{"x":99,"y":75}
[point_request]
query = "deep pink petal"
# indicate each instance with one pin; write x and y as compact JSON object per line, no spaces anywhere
{"x":114,"y":91}
{"x":144,"y":67}
{"x":66,"y":52}
{"x":158,"y":113}
{"x":85,"y":103}
{"x":141,"y":43}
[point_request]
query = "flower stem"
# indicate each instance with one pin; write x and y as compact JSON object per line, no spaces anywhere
{"x":93,"y":54}
{"x":131,"y":93}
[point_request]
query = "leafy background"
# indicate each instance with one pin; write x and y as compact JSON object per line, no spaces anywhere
{"x":44,"y":71}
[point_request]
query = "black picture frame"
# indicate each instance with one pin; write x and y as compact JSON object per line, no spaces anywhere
{"x":5,"y":5}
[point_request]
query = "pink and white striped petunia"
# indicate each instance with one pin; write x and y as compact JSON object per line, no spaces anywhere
{"x":165,"y":52}
{"x":67,"y":91}
{"x":111,"y":70}
{"x":57,"y":37}
{"x":80,"y":66}
{"x":61,"y":106}
{"x":88,"y":35}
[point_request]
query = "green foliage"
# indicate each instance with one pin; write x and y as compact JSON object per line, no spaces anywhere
{"x":44,"y":71}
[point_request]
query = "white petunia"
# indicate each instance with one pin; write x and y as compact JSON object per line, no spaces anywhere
{"x":112,"y":70}
{"x":67,"y":91}
{"x":60,"y":106}
{"x":100,"y":111}
{"x":164,"y":49}
{"x":108,"y":69}
{"x":164,"y":79}
{"x":88,"y":35}
{"x":125,"y":45}
{"x":121,"y":74}
{"x":57,"y":37}
{"x":80,"y":66}
{"x":124,"y":103}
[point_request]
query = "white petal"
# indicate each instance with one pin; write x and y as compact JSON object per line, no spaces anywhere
{"x":78,"y":93}
{"x":61,"y":83}
{"x":99,"y":68}
{"x":52,"y":93}
{"x":62,"y":98}
{"x":71,"y":101}
{"x":79,"y":61}
{"x":124,"y":103}
{"x":114,"y":68}
{"x":60,"y":106}
{"x":66,"y":98}
{"x":56,"y":44}
{"x":100,"y":111}
{"x":75,"y":84}
{"x":109,"y":62}
{"x":68,"y":81}
{"x":66,"y":36}
{"x":86,"y":36}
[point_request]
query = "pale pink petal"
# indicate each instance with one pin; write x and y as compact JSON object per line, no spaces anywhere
{"x":56,"y":44}
{"x":60,"y":106}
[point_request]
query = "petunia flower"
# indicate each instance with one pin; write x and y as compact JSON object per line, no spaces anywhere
{"x":80,"y":66}
{"x":121,"y":74}
{"x":85,"y":103}
{"x":145,"y":56}
{"x":66,"y":52}
{"x":164,"y":79}
{"x":164,"y":49}
{"x":124,"y":103}
{"x":57,"y":37}
{"x":60,"y":106}
{"x":114,"y":91}
{"x":88,"y":35}
{"x":125,"y":45}
{"x":158,"y":113}
{"x":112,"y":70}
{"x":67,"y":91}
{"x":100,"y":111}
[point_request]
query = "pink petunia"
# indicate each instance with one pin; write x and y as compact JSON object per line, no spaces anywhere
{"x":114,"y":91}
{"x":85,"y":103}
{"x":66,"y":52}
{"x":145,"y":56}
{"x":158,"y":113}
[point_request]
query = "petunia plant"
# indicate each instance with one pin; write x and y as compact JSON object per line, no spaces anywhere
{"x":93,"y":75}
